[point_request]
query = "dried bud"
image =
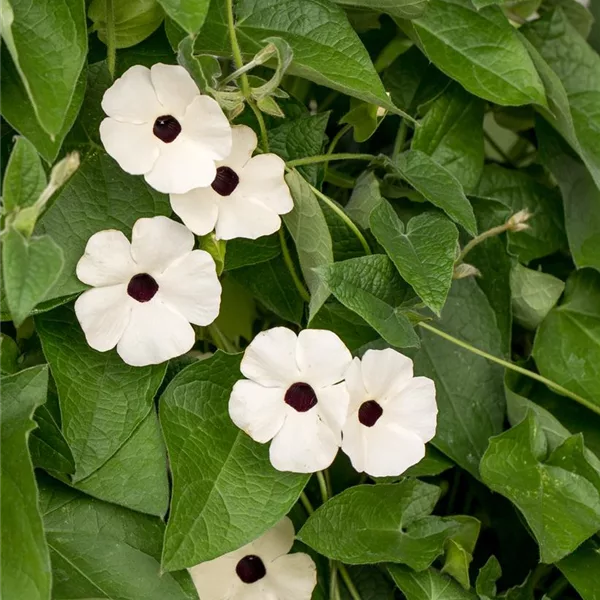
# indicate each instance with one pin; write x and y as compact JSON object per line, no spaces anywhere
{"x":518,"y":222}
{"x":465,"y":270}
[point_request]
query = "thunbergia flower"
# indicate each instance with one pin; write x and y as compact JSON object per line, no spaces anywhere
{"x":261,"y":570}
{"x":246,"y":197}
{"x":146,"y":293}
{"x":294,"y":395}
{"x":160,"y":126}
{"x":391,"y":414}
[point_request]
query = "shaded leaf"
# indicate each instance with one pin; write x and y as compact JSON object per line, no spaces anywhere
{"x":189,"y":14}
{"x":427,"y":585}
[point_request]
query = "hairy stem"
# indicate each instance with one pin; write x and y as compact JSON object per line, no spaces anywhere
{"x":289,"y":263}
{"x":480,"y":238}
{"x":111,"y":39}
{"x":508,"y":365}
{"x":323,"y":158}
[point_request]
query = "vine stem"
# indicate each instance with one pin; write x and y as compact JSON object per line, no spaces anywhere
{"x":348,"y":582}
{"x":508,"y":365}
{"x":287,"y":258}
{"x":338,"y":136}
{"x":343,"y":216}
{"x":400,"y":139}
{"x":308,"y":507}
{"x":320,"y":158}
{"x":480,"y":238}
{"x":220,"y":340}
{"x":111,"y":38}
{"x":323,"y":486}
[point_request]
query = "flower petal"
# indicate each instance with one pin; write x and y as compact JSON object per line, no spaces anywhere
{"x":216,"y":579}
{"x":107,"y":259}
{"x":156,"y":242}
{"x":355,"y":385}
{"x":206,"y":124}
{"x":244,"y":142}
{"x":270,"y":359}
{"x":333,"y":405}
{"x":198,"y":209}
{"x":415,"y":408}
{"x":322,"y":357}
{"x":131,"y":98}
{"x":257,"y":410}
{"x":103,"y":314}
{"x":292,"y":576}
{"x":155,"y":334}
{"x":262,"y":179}
{"x":190,"y":285}
{"x":305,"y":443}
{"x":174,"y":88}
{"x":181,"y":166}
{"x":275,"y":542}
{"x":241,"y":217}
{"x":384,"y":450}
{"x":385,"y":372}
{"x":134,"y":147}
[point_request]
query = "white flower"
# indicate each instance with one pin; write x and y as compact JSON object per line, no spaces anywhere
{"x":294,"y":395}
{"x":160,"y":126}
{"x":391,"y":414}
{"x":146,"y":293}
{"x":261,"y":570}
{"x":246,"y":197}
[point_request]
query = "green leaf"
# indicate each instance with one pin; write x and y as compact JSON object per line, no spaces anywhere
{"x":403,"y":9}
{"x":427,"y":585}
{"x":9,"y":355}
{"x":576,"y":323}
{"x":283,"y":56}
{"x":367,"y":524}
{"x":581,"y":197}
{"x":534,"y":293}
{"x":438,"y":186}
{"x":99,"y":196}
{"x":30,"y":269}
{"x":26,"y":567}
{"x":371,"y":287}
{"x":308,"y":227}
{"x":100,"y":550}
{"x":189,"y":14}
{"x":363,"y":118}
{"x":102,"y":400}
{"x":459,"y":550}
{"x":487,"y":577}
{"x":366,"y":195}
{"x":433,"y":463}
{"x":471,"y":409}
{"x":423,"y":252}
{"x":514,"y":465}
{"x":205,"y":70}
{"x":326,"y":48}
{"x":48,"y":44}
{"x":225,"y":491}
{"x":24,"y":178}
{"x":519,"y":191}
{"x":237,"y":313}
{"x":243,"y":253}
{"x":452,"y":134}
{"x":343,"y":239}
{"x":48,"y":448}
{"x":581,"y":569}
{"x":133,"y":21}
{"x":481,"y":50}
{"x":136,"y":475}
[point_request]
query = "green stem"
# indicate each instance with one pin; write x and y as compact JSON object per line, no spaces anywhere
{"x":343,"y":216}
{"x":311,"y":160}
{"x":289,"y":263}
{"x":308,"y":507}
{"x":557,"y":588}
{"x":497,"y":148}
{"x":508,"y":365}
{"x":235,"y":48}
{"x":480,"y":238}
{"x":111,"y":38}
{"x":322,"y":486}
{"x":264,"y":136}
{"x":338,"y":136}
{"x":349,"y":584}
{"x":400,"y":139}
{"x":220,"y":340}
{"x":334,"y":590}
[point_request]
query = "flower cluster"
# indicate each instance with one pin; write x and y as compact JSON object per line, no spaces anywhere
{"x":306,"y":394}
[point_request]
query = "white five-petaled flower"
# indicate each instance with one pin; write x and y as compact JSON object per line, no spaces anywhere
{"x":246,"y":197}
{"x":391,"y":414}
{"x":146,"y":293}
{"x":261,"y":570}
{"x":294,"y":395}
{"x":160,"y":126}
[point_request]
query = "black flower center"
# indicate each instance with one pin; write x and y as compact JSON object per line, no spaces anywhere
{"x":226,"y":180}
{"x":142,"y":287}
{"x":166,"y":128}
{"x":301,"y":397}
{"x":250,"y":569}
{"x":369,"y":413}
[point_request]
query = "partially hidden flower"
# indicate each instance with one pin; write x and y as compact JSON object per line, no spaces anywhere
{"x":261,"y":570}
{"x":146,"y":293}
{"x":246,"y":197}
{"x":391,"y":414}
{"x":294,"y":395}
{"x":160,"y":126}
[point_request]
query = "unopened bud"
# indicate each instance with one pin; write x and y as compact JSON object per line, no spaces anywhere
{"x":465,"y":270}
{"x":62,"y":171}
{"x":265,"y":54}
{"x":518,"y":222}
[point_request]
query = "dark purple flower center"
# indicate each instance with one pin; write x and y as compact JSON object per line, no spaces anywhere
{"x":301,"y":397}
{"x":225,"y":182}
{"x":166,"y":128}
{"x":142,"y":287}
{"x":369,"y":413}
{"x":250,"y":569}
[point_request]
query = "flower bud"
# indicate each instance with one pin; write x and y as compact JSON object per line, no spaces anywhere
{"x":518,"y":221}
